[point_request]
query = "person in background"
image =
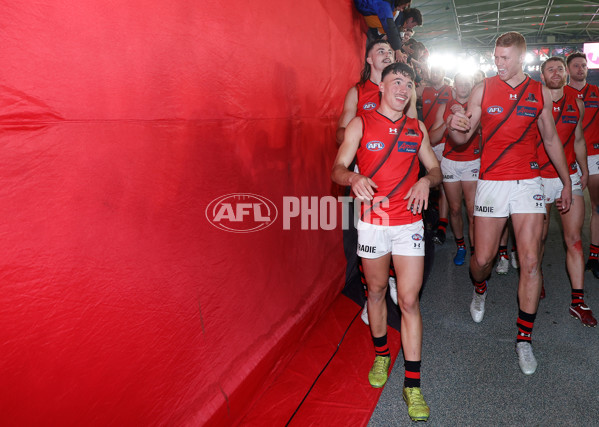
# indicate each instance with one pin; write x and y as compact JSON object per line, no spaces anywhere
{"x":568,"y":112}
{"x":589,"y":94}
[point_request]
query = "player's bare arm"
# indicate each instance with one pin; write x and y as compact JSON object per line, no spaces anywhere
{"x":350,"y":109}
{"x":362,"y":186}
{"x":461,"y":126}
{"x":580,"y":147}
{"x":555,"y":150}
{"x":417,"y":197}
{"x":439,"y":126}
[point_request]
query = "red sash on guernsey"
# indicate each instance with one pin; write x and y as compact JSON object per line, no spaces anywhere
{"x":509,"y":129}
{"x":566,"y":116}
{"x":431,"y":101}
{"x":368,"y":97}
{"x":463,"y":152}
{"x":388,"y":154}
{"x":589,"y":94}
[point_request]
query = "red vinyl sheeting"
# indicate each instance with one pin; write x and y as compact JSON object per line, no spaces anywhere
{"x":119,"y":123}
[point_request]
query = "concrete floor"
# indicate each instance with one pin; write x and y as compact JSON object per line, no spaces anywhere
{"x":470,"y":372}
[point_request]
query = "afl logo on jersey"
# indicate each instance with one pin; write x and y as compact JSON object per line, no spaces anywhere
{"x":369,"y":106}
{"x":494,"y":110}
{"x":538,"y":197}
{"x":417,"y":237}
{"x":375,"y":146}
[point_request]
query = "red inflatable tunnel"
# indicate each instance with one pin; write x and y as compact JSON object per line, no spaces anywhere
{"x":120,"y":123}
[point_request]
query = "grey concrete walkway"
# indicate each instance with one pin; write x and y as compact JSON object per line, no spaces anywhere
{"x":470,"y":373}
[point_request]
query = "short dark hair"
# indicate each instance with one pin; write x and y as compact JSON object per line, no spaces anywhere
{"x":413,"y":13}
{"x":402,"y":2}
{"x":575,"y":55}
{"x":399,"y":68}
{"x":553,"y":58}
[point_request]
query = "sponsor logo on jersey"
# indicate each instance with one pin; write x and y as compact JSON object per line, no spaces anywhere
{"x":569,"y":119}
{"x":579,"y":96}
{"x":593,"y":95}
{"x":241,"y":212}
{"x":407,"y":147}
{"x":375,"y":145}
{"x":494,"y":110}
{"x":596,"y":146}
{"x":591,"y":104}
{"x":514,"y":96}
{"x":485,"y":209}
{"x":526,"y":111}
{"x":574,"y":166}
{"x":392,"y":131}
{"x":538,"y":197}
{"x":367,"y":249}
{"x":570,"y":108}
{"x":369,"y":106}
{"x":534,"y":165}
{"x":557,"y":109}
{"x":417,"y":237}
{"x":531,"y":97}
{"x":411,"y":132}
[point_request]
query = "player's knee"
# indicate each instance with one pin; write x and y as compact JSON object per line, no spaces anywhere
{"x":408,"y":303}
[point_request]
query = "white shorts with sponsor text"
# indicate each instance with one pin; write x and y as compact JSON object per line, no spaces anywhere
{"x":375,"y":241}
{"x":454,"y":171}
{"x":504,"y":198}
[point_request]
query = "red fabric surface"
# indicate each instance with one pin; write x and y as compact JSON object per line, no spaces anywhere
{"x":119,"y":123}
{"x":342,"y":395}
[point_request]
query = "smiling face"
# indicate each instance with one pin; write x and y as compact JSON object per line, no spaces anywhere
{"x":396,"y":90}
{"x":554,"y":74}
{"x":509,"y":61}
{"x":380,"y":56}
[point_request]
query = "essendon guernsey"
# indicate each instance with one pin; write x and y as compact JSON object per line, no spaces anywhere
{"x":510,"y":134}
{"x":463,"y":152}
{"x":589,"y":94}
{"x":368,"y":97}
{"x":432,"y":99}
{"x":388,"y":154}
{"x":566,"y":116}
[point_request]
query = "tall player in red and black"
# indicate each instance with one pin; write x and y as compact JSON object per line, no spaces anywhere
{"x":389,"y":146}
{"x":589,"y":94}
{"x":568,"y":113}
{"x":511,"y":108}
{"x":434,"y":95}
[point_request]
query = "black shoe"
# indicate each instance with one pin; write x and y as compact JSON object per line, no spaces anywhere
{"x":593,"y":265}
{"x":439,"y":237}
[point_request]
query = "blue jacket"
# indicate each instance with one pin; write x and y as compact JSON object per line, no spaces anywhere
{"x":384,"y":10}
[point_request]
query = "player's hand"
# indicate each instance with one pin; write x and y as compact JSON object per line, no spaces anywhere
{"x":565,"y":200}
{"x":400,"y":56}
{"x":584,"y":180}
{"x":363,"y":187}
{"x":457,"y":108}
{"x":459,"y":121}
{"x":417,"y":197}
